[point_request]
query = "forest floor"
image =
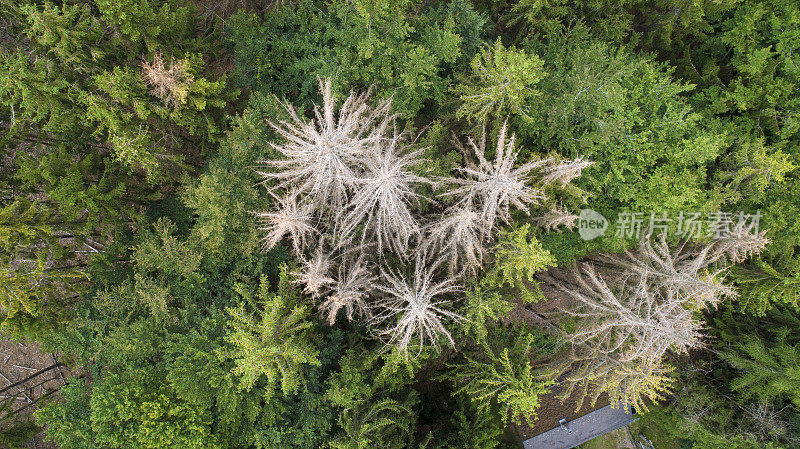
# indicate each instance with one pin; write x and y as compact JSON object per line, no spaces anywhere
{"x":646,"y":427}
{"x":551,"y":407}
{"x":18,"y":361}
{"x":618,"y":439}
{"x":621,"y":438}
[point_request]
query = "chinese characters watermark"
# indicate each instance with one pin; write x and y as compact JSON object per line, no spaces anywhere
{"x":686,"y":225}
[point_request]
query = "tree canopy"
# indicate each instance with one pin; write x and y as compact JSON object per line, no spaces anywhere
{"x":401,"y":223}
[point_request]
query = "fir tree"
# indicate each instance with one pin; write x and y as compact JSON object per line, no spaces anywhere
{"x":275,"y":344}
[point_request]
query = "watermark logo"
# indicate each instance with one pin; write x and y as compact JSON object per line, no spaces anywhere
{"x":687,"y":225}
{"x":591,"y":224}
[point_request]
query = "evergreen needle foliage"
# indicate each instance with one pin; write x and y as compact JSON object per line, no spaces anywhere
{"x":362,"y":223}
{"x":352,"y":180}
{"x":501,"y":372}
{"x":275,"y":344}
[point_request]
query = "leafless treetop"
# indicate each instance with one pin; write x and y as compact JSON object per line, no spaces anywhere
{"x":292,"y":218}
{"x":565,"y":171}
{"x":172,"y":83}
{"x":497,"y":185}
{"x":350,"y":181}
{"x":314,"y":272}
{"x":459,"y":237}
{"x":383,"y":196}
{"x":555,"y":217}
{"x":320,"y":155}
{"x":633,"y":308}
{"x":414,"y":307}
{"x":350,"y":290}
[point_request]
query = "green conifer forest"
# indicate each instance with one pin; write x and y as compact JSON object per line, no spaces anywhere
{"x":355,"y":224}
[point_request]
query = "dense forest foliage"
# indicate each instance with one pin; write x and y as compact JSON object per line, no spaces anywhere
{"x":371,"y":223}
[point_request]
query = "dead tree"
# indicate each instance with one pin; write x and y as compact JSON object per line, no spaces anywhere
{"x":349,"y":181}
{"x":631,"y":309}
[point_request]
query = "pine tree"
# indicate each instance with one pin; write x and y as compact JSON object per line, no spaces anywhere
{"x":768,"y":370}
{"x":171,"y":84}
{"x":630,"y":311}
{"x":386,"y":422}
{"x":292,"y":218}
{"x":37,"y":275}
{"x":383,"y":198}
{"x":320,"y":155}
{"x":496,"y":186}
{"x":503,"y":82}
{"x":765,"y":285}
{"x":349,"y":291}
{"x":518,"y":257}
{"x":500,"y":371}
{"x":275,"y":344}
{"x":314,"y":272}
{"x":460,"y":237}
